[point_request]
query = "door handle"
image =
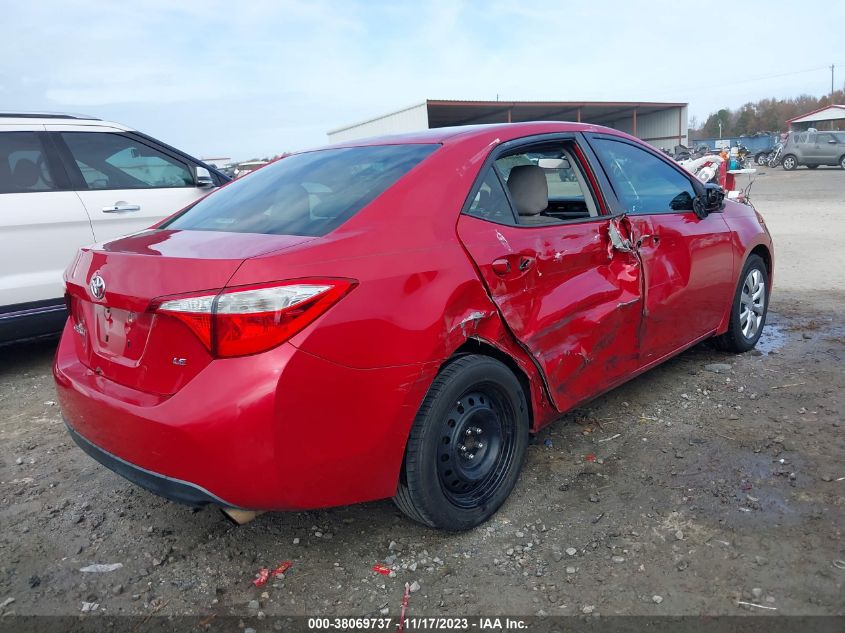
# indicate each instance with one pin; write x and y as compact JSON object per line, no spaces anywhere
{"x":525,"y":263}
{"x":122,"y":207}
{"x":655,"y":239}
{"x":501,"y":266}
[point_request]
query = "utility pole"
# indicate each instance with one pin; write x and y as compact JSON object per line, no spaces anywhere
{"x":831,"y":84}
{"x":720,"y":128}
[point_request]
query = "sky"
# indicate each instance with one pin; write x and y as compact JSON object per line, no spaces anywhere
{"x":251,"y":78}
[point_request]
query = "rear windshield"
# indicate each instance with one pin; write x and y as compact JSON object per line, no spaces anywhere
{"x":304,"y":194}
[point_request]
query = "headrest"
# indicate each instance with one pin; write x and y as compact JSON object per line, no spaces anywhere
{"x":26,"y":174}
{"x":529,"y":189}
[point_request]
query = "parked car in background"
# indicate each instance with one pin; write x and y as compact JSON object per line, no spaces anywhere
{"x":814,"y":148}
{"x":67,"y":181}
{"x":392,"y":317}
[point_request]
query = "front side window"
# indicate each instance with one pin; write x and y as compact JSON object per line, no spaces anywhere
{"x":822,"y":139}
{"x":114,"y":161}
{"x":643,"y":183}
{"x":23,"y":164}
{"x":305,"y":194}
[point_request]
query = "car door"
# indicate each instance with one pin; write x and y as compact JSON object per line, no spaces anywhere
{"x":826,"y":149}
{"x":805,"y":149}
{"x":687,"y":260}
{"x":127,"y":184}
{"x":42,"y":223}
{"x":566,"y":294}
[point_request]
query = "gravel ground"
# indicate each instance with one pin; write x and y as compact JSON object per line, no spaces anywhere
{"x":710,"y":480}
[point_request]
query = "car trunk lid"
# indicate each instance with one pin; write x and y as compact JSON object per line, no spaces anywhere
{"x":112,"y":288}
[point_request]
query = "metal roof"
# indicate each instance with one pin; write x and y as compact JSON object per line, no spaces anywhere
{"x":828,"y":113}
{"x":454,"y":112}
{"x":449,"y":112}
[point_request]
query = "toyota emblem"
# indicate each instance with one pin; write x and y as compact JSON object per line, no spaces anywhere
{"x":97,"y":286}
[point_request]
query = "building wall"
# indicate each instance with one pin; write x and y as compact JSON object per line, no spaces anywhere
{"x":410,"y":119}
{"x":663,"y":129}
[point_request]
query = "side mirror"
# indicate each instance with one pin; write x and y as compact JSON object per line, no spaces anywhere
{"x":711,"y":200}
{"x":204,"y":179}
{"x":832,"y":141}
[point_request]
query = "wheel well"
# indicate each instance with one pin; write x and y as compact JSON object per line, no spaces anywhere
{"x":476,"y":346}
{"x":765,"y":255}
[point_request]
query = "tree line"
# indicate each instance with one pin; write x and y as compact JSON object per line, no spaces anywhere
{"x":765,"y":115}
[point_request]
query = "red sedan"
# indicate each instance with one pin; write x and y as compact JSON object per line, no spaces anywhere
{"x":394,"y":317}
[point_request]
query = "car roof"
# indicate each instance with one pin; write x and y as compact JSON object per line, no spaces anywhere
{"x":39,"y":119}
{"x":495,"y":132}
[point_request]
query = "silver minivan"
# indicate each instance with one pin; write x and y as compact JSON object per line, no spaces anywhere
{"x":814,"y":148}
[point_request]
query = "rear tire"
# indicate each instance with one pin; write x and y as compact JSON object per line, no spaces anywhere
{"x":466,"y":446}
{"x":790,"y":162}
{"x":748,"y":309}
{"x":762,"y":158}
{"x":842,"y":162}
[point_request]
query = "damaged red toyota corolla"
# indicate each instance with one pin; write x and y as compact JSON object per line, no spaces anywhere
{"x":394,"y":317}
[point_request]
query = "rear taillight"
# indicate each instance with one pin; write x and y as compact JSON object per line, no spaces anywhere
{"x":251,"y":319}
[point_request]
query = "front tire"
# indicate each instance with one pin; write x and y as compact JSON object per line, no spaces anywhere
{"x":842,"y":162}
{"x":466,"y":446}
{"x":749,"y":308}
{"x":790,"y":163}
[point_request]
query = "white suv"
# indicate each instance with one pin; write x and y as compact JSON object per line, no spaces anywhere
{"x":67,"y":181}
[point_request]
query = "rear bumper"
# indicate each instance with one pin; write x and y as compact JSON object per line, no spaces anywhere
{"x":163,"y":486}
{"x":282,"y":430}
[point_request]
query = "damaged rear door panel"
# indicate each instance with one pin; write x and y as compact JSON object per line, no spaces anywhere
{"x":567,"y":295}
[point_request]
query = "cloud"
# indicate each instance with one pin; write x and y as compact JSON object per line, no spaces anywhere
{"x":265,"y":76}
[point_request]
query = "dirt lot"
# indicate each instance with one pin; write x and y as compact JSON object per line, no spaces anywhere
{"x":708,"y":488}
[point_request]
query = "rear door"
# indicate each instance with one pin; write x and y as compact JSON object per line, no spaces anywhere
{"x":571,"y":300}
{"x":687,"y":261}
{"x":126,"y":184}
{"x":42,"y":222}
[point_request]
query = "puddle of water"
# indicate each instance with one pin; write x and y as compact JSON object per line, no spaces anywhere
{"x":772,"y":339}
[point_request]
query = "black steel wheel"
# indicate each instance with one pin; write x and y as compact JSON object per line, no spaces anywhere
{"x":466,"y":446}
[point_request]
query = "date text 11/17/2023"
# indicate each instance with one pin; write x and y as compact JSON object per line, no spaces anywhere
{"x":418,"y":623}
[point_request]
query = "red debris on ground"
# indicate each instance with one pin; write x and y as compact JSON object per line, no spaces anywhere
{"x":261,"y":577}
{"x":265,"y":574}
{"x":384,"y":570}
{"x":282,"y":568}
{"x":591,"y":457}
{"x":404,"y":608}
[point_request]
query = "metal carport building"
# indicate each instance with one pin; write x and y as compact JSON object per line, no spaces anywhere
{"x":661,"y":124}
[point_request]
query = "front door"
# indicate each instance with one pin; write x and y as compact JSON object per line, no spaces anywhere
{"x":826,"y":150}
{"x":567,"y":295}
{"x":687,"y":261}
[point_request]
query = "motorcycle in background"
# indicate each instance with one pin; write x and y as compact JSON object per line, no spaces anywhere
{"x":775,"y":156}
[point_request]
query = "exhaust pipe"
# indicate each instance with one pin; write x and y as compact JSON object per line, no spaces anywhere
{"x":241,"y":517}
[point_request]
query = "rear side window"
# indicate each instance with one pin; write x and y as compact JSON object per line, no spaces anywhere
{"x":114,"y":161}
{"x":23,"y":164}
{"x":490,"y":201}
{"x":305,"y":194}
